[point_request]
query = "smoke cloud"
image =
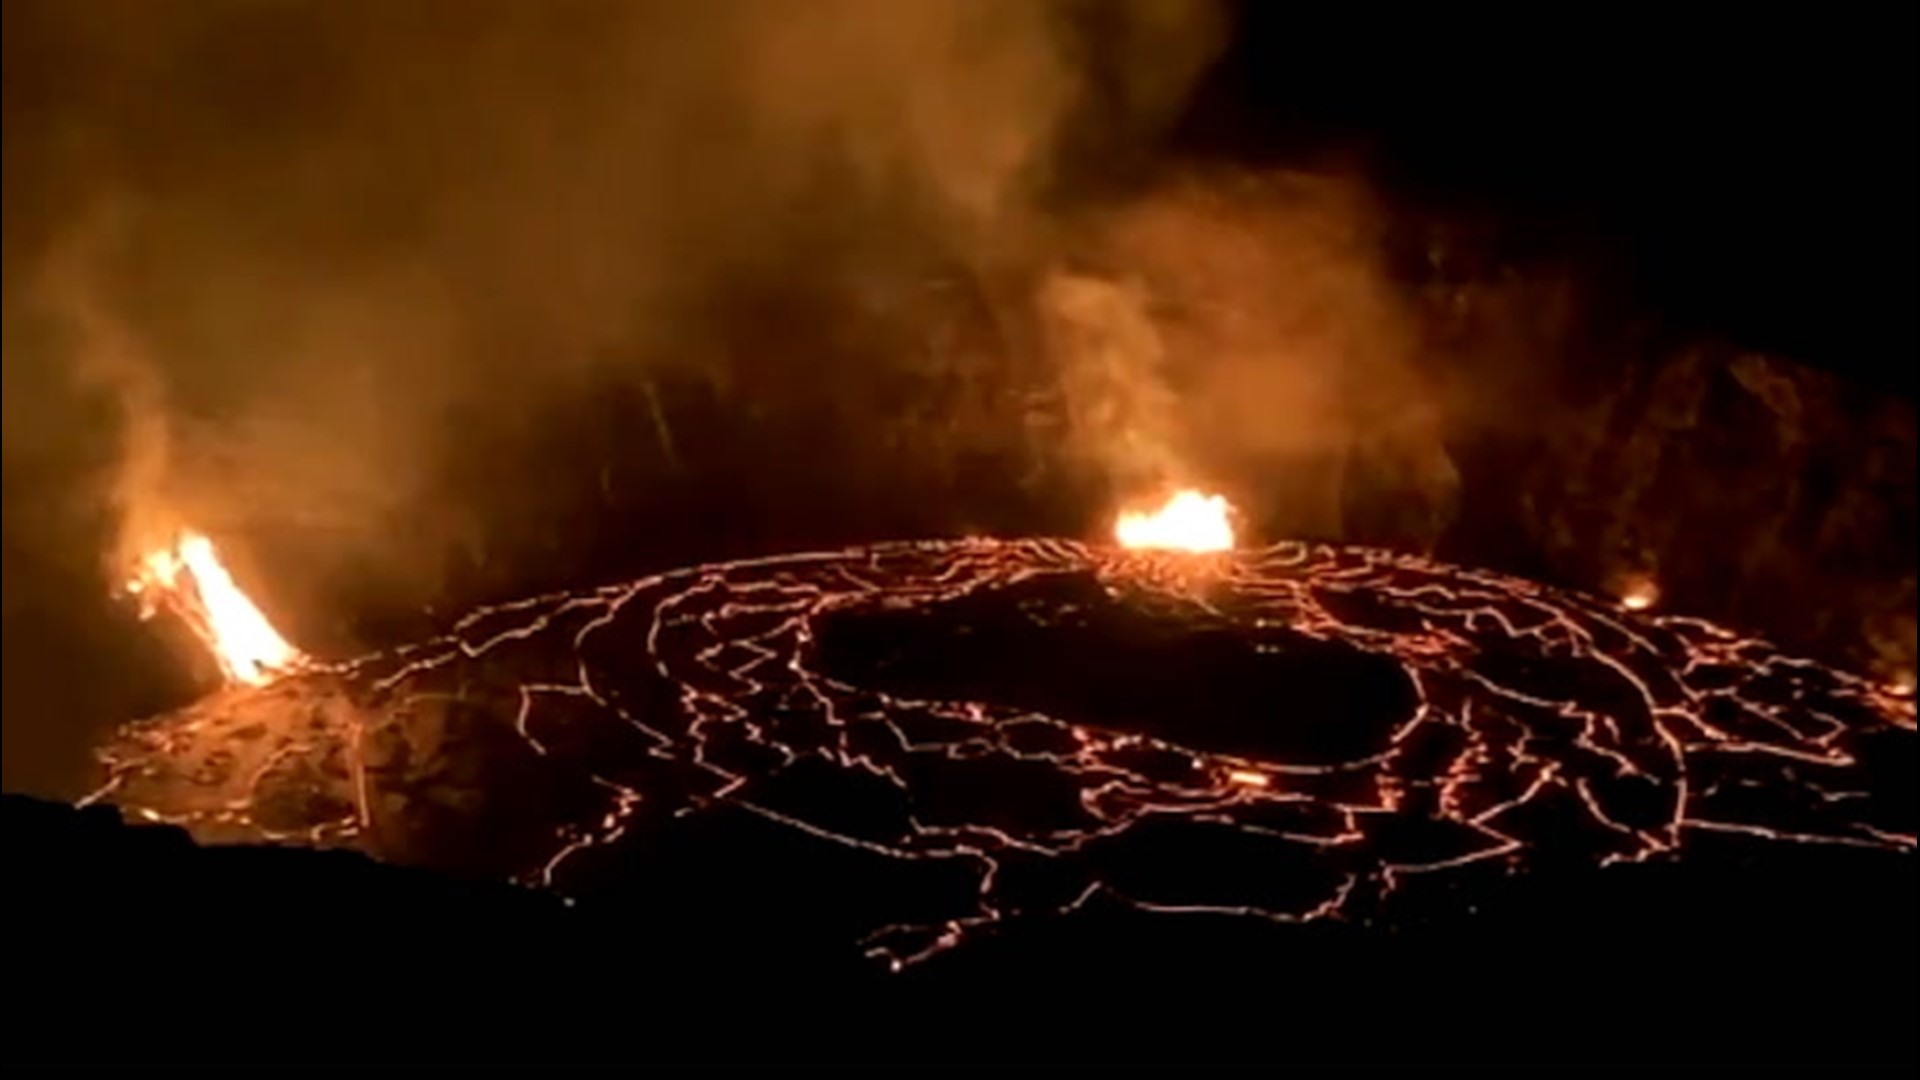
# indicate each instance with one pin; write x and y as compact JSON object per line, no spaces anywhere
{"x":424,"y":302}
{"x":1248,"y":332}
{"x":398,"y":300}
{"x":288,"y":258}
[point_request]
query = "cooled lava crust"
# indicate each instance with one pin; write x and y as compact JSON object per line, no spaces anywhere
{"x":998,"y":729}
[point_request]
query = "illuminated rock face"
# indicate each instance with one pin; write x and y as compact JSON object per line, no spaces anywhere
{"x":1021,"y":727}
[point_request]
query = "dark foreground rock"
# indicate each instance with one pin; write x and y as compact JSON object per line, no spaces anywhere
{"x":131,"y":944}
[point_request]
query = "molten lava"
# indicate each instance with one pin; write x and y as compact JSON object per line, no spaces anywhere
{"x":1531,"y":727}
{"x":188,"y":579}
{"x":1639,"y":594}
{"x":1189,"y":521}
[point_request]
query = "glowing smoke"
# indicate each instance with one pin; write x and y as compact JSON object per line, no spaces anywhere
{"x":315,"y":252}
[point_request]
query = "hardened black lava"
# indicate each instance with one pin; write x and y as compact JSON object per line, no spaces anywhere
{"x":1021,"y":728}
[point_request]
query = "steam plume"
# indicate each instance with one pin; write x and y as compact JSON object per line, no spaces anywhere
{"x":344,"y":243}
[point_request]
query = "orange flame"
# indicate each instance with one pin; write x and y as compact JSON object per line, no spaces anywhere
{"x":1639,"y":594}
{"x":1189,"y":521}
{"x":188,"y":579}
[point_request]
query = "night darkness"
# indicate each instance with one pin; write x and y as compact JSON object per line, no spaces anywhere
{"x":427,"y":307}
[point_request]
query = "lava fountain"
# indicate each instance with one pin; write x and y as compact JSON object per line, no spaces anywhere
{"x":1189,"y":520}
{"x":188,"y":579}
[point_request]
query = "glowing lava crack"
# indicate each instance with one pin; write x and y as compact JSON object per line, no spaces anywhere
{"x":1289,"y":734}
